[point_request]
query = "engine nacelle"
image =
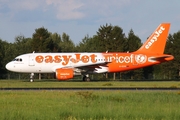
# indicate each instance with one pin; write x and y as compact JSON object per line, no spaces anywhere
{"x":64,"y":74}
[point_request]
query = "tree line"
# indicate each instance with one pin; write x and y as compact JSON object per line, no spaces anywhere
{"x":107,"y":38}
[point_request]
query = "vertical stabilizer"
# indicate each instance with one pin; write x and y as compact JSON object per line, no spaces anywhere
{"x":157,"y":41}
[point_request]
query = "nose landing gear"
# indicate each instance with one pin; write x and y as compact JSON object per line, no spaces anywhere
{"x":32,"y":77}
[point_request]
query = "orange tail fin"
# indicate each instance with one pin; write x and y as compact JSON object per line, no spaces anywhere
{"x":157,"y":41}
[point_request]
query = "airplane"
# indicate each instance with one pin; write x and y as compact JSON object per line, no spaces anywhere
{"x":67,"y":65}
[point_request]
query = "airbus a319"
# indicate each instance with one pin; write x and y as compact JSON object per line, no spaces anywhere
{"x":67,"y":65}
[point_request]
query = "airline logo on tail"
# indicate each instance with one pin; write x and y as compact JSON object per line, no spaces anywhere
{"x":155,"y":44}
{"x":155,"y":37}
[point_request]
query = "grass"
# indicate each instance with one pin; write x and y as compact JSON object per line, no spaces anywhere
{"x":56,"y":83}
{"x":89,"y":105}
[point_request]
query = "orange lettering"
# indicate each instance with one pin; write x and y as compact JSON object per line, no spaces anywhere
{"x":48,"y":59}
{"x":93,"y":58}
{"x":76,"y":60}
{"x":39,"y":59}
{"x":66,"y":59}
{"x":57,"y":59}
{"x":85,"y":59}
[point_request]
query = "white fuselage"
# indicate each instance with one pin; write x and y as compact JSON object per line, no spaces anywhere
{"x":49,"y":62}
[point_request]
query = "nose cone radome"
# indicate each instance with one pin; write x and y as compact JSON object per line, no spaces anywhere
{"x":9,"y":66}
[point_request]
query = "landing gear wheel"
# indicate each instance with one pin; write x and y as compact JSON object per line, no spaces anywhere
{"x":88,"y":79}
{"x":31,"y":80}
{"x":31,"y":77}
{"x":85,"y":78}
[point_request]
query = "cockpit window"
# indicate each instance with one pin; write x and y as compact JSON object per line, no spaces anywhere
{"x":18,"y":59}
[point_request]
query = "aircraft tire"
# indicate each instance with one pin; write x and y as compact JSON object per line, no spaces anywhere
{"x":87,"y":79}
{"x":31,"y":80}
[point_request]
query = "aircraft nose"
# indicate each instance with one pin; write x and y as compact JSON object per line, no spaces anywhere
{"x":9,"y":66}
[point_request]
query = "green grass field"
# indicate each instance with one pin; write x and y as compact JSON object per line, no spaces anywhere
{"x":89,"y":105}
{"x":56,"y":83}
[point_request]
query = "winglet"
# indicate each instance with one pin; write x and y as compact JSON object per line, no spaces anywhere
{"x":157,"y":41}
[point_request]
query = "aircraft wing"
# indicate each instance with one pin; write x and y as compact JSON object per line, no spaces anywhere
{"x":99,"y":67}
{"x":95,"y":68}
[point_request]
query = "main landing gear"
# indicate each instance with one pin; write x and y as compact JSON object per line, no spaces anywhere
{"x":86,"y":78}
{"x":32,"y":77}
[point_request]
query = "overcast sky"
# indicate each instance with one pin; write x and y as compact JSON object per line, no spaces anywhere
{"x":79,"y":18}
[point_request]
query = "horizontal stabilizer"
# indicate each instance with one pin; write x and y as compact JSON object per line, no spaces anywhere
{"x":160,"y":58}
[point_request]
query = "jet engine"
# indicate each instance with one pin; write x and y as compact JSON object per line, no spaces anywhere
{"x":64,"y":74}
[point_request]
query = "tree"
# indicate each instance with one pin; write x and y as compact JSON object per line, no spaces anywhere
{"x":56,"y":41}
{"x":118,"y":40}
{"x":133,"y":42}
{"x":22,"y":45}
{"x":111,"y":38}
{"x":88,"y":44}
{"x":172,"y":69}
{"x":82,"y":46}
{"x":66,"y":44}
{"x":3,"y":45}
{"x":41,"y":41}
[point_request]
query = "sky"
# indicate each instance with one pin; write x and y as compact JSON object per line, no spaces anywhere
{"x":79,"y":18}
